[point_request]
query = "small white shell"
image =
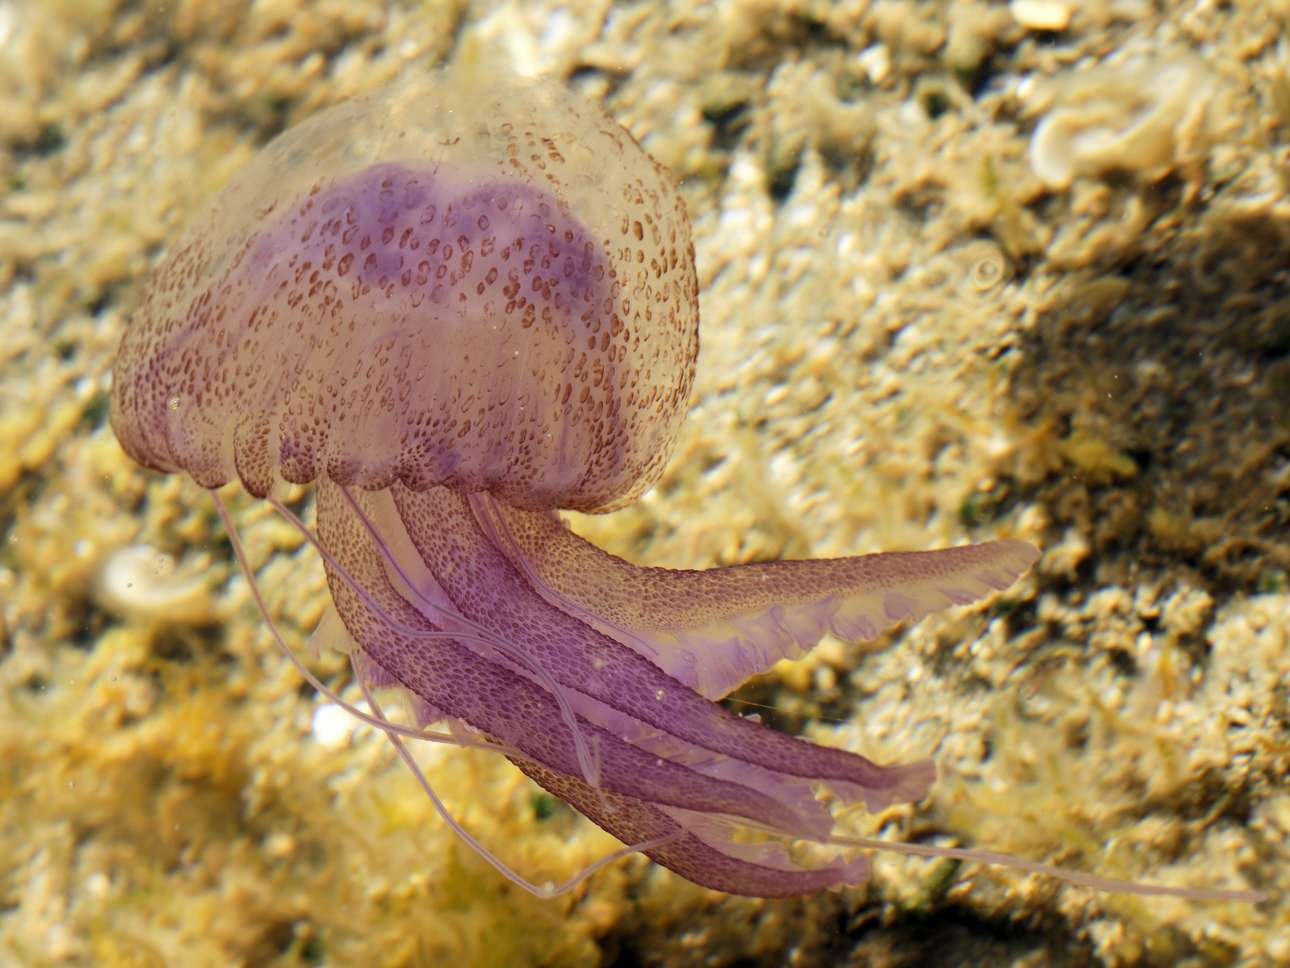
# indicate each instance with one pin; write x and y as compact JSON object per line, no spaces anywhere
{"x":1130,"y":117}
{"x":1042,"y":14}
{"x":140,"y":583}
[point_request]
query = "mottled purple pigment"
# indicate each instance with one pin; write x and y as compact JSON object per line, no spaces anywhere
{"x":404,"y":232}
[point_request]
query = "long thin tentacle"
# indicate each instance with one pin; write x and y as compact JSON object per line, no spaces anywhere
{"x":1094,"y":881}
{"x":380,"y":723}
{"x":545,"y":890}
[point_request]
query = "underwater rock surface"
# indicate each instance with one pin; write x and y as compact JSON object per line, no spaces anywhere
{"x":1117,"y":396}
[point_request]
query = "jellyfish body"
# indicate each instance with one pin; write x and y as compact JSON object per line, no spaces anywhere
{"x":456,"y":307}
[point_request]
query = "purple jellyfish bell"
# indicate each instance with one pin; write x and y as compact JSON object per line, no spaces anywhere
{"x":456,"y":308}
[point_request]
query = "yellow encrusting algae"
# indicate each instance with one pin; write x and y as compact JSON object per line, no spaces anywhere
{"x":910,"y":337}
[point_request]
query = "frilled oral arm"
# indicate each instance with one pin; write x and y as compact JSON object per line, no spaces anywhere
{"x":714,"y":628}
{"x":669,"y":760}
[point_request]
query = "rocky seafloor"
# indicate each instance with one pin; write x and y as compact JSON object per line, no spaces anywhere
{"x":968,"y":269}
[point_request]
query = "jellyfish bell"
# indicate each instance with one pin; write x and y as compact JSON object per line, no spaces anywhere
{"x":387,"y":292}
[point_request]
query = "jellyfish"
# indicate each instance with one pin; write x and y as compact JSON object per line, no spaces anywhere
{"x":455,"y":307}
